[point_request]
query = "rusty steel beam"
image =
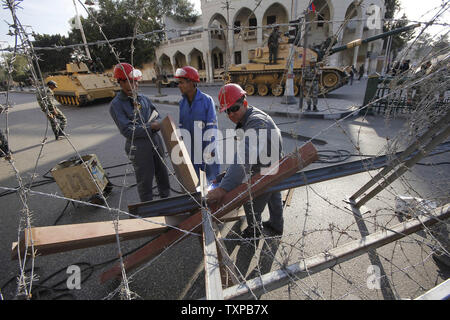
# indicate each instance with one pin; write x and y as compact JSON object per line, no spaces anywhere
{"x":287,"y":166}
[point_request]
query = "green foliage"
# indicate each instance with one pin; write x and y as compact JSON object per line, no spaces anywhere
{"x":52,"y":60}
{"x":392,"y":6}
{"x":398,"y":41}
{"x":18,"y":65}
{"x":117,"y":19}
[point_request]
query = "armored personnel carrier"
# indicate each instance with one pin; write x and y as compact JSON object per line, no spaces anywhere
{"x":78,"y":86}
{"x":260,"y":77}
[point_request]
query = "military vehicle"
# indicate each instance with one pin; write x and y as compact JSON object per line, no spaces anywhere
{"x":78,"y":86}
{"x":258,"y":76}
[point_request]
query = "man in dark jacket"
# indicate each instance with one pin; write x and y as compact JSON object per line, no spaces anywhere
{"x":132,"y":114}
{"x":251,"y":157}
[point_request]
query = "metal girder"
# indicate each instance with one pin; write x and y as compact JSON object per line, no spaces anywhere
{"x":186,"y":203}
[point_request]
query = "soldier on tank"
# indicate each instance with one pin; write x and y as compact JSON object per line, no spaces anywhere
{"x":274,"y":39}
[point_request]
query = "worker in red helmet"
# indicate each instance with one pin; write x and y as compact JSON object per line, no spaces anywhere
{"x":266,"y":149}
{"x":198,"y":117}
{"x":138,"y":121}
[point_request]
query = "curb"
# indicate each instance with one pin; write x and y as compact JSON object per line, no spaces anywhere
{"x":316,"y":115}
{"x":310,"y":115}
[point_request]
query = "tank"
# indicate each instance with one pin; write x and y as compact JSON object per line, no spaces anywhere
{"x":260,"y":77}
{"x":77,"y":86}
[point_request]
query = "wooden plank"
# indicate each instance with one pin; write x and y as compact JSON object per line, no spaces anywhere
{"x":285,"y":168}
{"x":309,"y":266}
{"x":184,"y":170}
{"x":288,"y":198}
{"x":440,"y":292}
{"x":213,"y":282}
{"x":62,"y":238}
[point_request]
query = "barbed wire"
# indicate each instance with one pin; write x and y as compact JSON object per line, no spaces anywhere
{"x":148,"y":35}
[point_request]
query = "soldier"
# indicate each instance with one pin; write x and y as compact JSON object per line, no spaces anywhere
{"x":274,"y":39}
{"x":99,"y":64}
{"x":91,"y":66}
{"x":47,"y":103}
{"x":311,"y":90}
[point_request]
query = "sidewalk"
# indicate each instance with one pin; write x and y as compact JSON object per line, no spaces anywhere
{"x":329,"y":108}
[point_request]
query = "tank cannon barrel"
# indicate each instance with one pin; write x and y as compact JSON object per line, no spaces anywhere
{"x":360,"y":42}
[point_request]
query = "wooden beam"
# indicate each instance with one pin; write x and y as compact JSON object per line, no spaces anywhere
{"x":288,"y":198}
{"x":307,"y":267}
{"x":184,"y":170}
{"x":213,"y":282}
{"x":62,"y":238}
{"x":440,"y":292}
{"x":285,"y":168}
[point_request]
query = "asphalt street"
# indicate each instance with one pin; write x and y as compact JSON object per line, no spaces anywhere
{"x":316,"y":221}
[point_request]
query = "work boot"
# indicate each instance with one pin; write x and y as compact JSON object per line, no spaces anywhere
{"x":269,"y":227}
{"x":315,"y":109}
{"x":251,"y":232}
{"x":57,"y":135}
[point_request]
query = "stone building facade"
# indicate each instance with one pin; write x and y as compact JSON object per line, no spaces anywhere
{"x":205,"y":44}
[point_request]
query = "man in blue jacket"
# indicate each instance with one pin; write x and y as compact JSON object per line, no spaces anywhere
{"x":198,"y":117}
{"x":132,"y":113}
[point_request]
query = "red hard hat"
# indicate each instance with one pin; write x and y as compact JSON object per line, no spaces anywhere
{"x":229,"y":94}
{"x":187,"y":73}
{"x":124,"y":71}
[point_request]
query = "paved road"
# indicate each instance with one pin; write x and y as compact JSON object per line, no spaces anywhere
{"x":316,"y":220}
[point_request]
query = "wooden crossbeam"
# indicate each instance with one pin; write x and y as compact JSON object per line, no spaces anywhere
{"x":184,"y":170}
{"x":213,"y":281}
{"x":285,"y":168}
{"x":62,"y":238}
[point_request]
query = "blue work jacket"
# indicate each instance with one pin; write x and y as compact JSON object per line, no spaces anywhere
{"x":200,"y":120}
{"x":122,"y":112}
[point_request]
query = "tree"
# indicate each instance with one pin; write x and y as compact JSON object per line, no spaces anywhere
{"x":117,"y":19}
{"x":20,"y":67}
{"x":399,"y":40}
{"x":52,"y":60}
{"x":126,"y":18}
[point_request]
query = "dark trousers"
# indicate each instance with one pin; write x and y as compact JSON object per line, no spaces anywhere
{"x":147,"y":164}
{"x":57,"y":120}
{"x":259,"y":203}
{"x":273,"y":51}
{"x":4,"y":149}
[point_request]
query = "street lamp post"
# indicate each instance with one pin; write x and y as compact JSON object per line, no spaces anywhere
{"x":288,"y":97}
{"x":78,"y":21}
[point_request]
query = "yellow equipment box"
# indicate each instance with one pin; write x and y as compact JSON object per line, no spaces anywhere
{"x":77,"y":180}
